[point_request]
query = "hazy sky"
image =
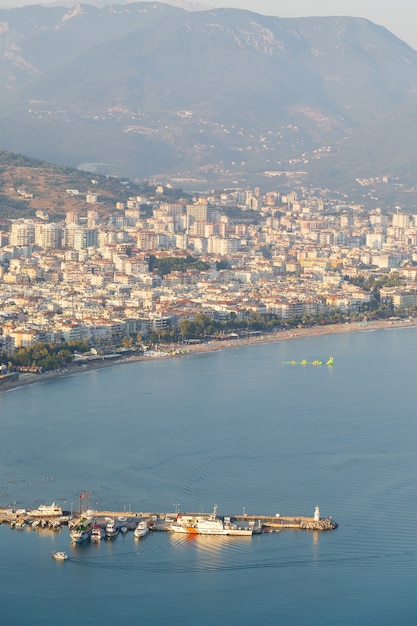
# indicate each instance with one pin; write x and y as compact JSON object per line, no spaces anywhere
{"x":399,"y":16}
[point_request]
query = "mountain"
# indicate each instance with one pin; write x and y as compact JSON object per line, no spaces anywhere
{"x":152,"y":90}
{"x":187,"y":5}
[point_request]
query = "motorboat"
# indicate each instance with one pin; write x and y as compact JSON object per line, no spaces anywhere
{"x":97,"y":533}
{"x":20,"y":522}
{"x":112,"y":530}
{"x":141,"y":529}
{"x":60,"y":555}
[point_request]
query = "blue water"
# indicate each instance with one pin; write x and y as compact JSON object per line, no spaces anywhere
{"x":241,"y":429}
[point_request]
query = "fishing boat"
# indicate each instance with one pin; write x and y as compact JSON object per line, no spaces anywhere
{"x":141,"y":529}
{"x":97,"y":533}
{"x":60,"y":555}
{"x":82,"y":531}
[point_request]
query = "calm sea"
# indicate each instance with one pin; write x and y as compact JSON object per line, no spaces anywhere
{"x":239,"y":429}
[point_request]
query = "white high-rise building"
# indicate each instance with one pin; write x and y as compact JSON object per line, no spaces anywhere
{"x":48,"y":236}
{"x":22,"y":233}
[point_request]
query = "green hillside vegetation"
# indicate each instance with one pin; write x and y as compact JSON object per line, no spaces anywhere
{"x":48,"y":183}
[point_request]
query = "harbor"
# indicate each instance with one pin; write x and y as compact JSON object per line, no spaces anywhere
{"x":107,"y":524}
{"x":210,"y":438}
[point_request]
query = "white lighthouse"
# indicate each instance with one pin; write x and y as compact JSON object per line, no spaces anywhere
{"x":317,"y":513}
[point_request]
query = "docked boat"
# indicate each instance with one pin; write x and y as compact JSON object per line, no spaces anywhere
{"x":184,"y":527}
{"x":184,"y":524}
{"x":216,"y":526}
{"x":60,"y":555}
{"x":211,"y":525}
{"x":82,"y":531}
{"x":122,"y":524}
{"x":20,"y":522}
{"x":112,"y":530}
{"x":178,"y":528}
{"x":46,"y":510}
{"x":141,"y":529}
{"x":98,"y":533}
{"x":235,"y":531}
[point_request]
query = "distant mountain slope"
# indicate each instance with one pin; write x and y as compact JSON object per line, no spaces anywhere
{"x":28,"y":185}
{"x":147,"y":89}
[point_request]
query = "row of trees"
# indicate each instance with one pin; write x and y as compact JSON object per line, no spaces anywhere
{"x":49,"y":356}
{"x":46,"y":356}
{"x":203,"y":327}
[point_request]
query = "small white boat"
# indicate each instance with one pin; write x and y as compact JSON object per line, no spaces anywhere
{"x":20,"y":523}
{"x":141,"y":529}
{"x":60,"y":555}
{"x":112,"y":530}
{"x":98,"y":533}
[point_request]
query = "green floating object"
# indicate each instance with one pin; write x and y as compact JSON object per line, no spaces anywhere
{"x":330,"y":361}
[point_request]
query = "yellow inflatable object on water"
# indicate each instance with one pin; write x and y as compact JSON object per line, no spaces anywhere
{"x":330,"y":361}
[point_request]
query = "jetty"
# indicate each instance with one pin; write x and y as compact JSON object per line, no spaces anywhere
{"x":160,"y":521}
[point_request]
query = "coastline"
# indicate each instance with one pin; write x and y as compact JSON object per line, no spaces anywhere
{"x":213,"y":346}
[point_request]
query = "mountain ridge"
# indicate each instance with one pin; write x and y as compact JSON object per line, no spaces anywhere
{"x":147,"y":89}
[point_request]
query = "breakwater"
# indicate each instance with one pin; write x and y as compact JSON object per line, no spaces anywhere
{"x":162,"y":521}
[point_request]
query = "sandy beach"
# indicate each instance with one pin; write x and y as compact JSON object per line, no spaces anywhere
{"x":183,"y":350}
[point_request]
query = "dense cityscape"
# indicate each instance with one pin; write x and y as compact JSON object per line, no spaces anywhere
{"x":233,"y":262}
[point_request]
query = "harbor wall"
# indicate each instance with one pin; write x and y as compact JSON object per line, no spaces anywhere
{"x":268,"y":521}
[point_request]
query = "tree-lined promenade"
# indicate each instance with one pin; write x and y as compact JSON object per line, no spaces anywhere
{"x":44,"y":357}
{"x":225,"y":342}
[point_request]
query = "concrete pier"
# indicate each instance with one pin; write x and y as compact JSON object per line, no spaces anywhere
{"x":160,"y":521}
